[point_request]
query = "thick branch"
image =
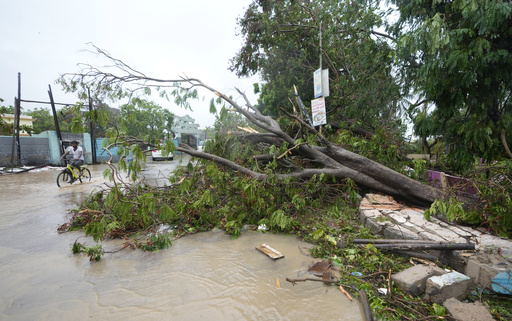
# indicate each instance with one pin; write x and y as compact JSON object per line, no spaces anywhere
{"x":504,"y":142}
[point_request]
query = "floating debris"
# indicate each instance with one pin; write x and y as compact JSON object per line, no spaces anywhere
{"x":322,"y":269}
{"x":270,"y":252}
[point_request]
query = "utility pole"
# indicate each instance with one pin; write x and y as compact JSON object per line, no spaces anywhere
{"x":16,"y":127}
{"x":56,"y":120}
{"x":320,"y":36}
{"x":321,"y":72}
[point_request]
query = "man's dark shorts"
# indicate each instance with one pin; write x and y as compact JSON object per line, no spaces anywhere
{"x":76,"y":163}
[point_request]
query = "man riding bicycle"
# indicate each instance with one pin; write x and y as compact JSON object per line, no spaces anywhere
{"x":77,"y":152}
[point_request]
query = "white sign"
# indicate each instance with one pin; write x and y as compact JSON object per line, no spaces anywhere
{"x":318,"y":111}
{"x":321,"y":83}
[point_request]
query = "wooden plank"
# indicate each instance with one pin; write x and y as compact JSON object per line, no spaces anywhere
{"x":319,"y":268}
{"x":270,"y":252}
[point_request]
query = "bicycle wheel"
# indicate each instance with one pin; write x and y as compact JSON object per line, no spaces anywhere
{"x":86,"y":175}
{"x":63,"y":178}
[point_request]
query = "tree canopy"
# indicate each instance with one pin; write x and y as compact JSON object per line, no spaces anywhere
{"x":458,"y":56}
{"x":146,"y":120}
{"x":282,"y":44}
{"x":43,"y":120}
{"x":5,"y":127}
{"x":452,"y":56}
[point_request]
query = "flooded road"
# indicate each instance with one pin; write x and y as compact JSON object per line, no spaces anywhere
{"x":206,"y":276}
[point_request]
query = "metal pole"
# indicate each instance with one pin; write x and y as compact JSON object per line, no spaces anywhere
{"x":18,"y":146}
{"x":56,"y":120}
{"x":93,"y":137}
{"x":320,"y":36}
{"x":321,"y":72}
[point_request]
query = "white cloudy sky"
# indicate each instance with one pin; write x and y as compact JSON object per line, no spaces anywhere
{"x":162,"y":38}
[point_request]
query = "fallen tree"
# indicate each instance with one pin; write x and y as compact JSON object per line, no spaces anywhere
{"x":324,"y":156}
{"x":327,"y":158}
{"x":266,"y":186}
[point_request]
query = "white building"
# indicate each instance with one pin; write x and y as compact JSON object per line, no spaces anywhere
{"x":185,"y":125}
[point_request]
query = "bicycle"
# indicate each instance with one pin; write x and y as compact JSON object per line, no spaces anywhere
{"x":71,"y":174}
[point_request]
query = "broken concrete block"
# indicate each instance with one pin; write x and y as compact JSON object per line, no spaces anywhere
{"x":449,"y":285}
{"x":467,"y":311}
{"x":414,"y":279}
{"x":491,"y":271}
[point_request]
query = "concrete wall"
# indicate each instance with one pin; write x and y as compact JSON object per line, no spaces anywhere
{"x":102,"y":156}
{"x":42,"y":149}
{"x":34,"y":150}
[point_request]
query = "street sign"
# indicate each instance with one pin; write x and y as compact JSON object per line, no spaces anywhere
{"x":318,"y":111}
{"x":321,"y":83}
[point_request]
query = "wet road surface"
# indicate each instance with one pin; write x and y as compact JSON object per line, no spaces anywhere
{"x":206,"y":276}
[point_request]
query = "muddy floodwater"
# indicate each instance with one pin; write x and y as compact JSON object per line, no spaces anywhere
{"x":206,"y":276}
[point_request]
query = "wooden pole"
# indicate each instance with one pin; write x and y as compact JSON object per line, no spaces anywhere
{"x":366,"y":305}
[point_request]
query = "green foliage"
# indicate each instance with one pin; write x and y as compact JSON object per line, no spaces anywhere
{"x":156,"y":242}
{"x":491,"y":210}
{"x":43,"y":120}
{"x":457,"y":56}
{"x":384,"y":146}
{"x":215,"y":198}
{"x":93,"y":252}
{"x":6,"y":128}
{"x":452,"y":209}
{"x":146,"y":120}
{"x":278,"y":219}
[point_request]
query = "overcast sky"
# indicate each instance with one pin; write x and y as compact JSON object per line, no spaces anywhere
{"x":162,"y":38}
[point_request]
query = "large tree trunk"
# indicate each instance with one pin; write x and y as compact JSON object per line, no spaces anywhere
{"x":329,"y":159}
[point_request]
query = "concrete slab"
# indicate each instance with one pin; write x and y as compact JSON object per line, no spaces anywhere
{"x":369,"y":213}
{"x":456,"y":230}
{"x":398,"y":218}
{"x":414,"y":280}
{"x":467,"y":311}
{"x":399,"y":232}
{"x":443,"y":232}
{"x":449,"y":285}
{"x":493,"y":244}
{"x":432,"y":237}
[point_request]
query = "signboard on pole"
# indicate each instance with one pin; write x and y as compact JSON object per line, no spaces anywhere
{"x":321,"y":83}
{"x":318,"y":111}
